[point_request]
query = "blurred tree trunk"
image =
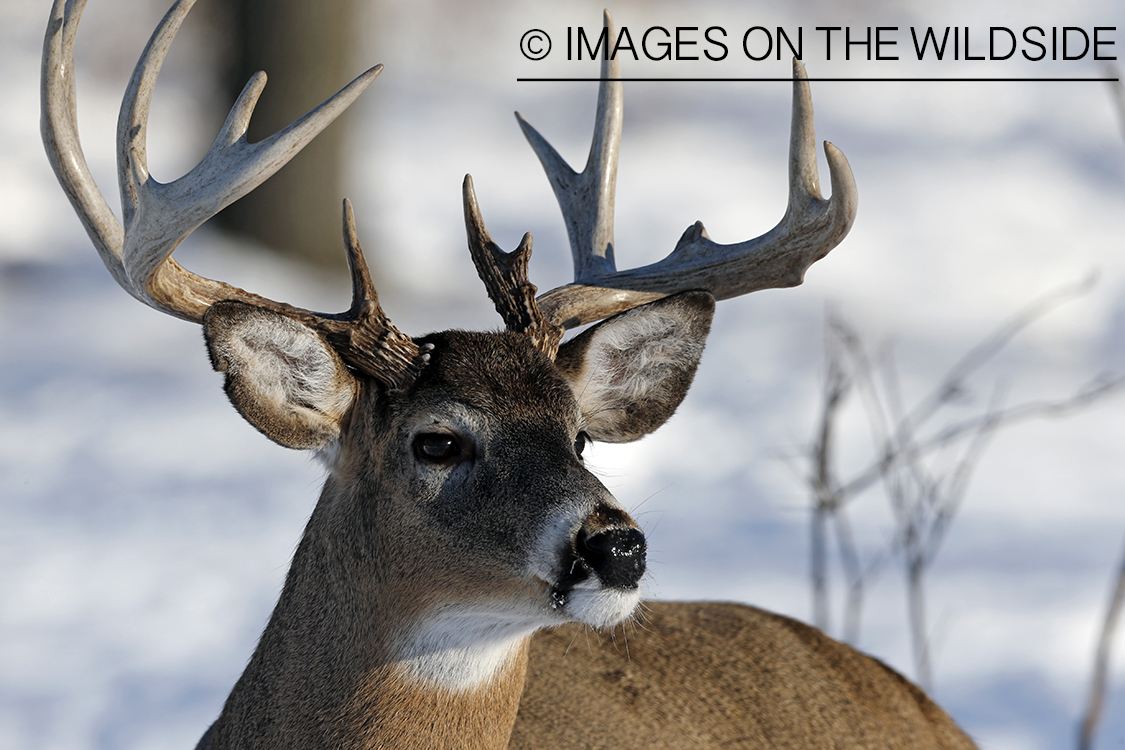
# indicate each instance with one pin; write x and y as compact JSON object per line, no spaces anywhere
{"x":305,"y":47}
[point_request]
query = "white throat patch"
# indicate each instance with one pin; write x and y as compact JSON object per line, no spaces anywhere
{"x":462,"y":648}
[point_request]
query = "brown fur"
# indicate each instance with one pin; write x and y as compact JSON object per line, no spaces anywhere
{"x":388,"y":711}
{"x":697,"y":675}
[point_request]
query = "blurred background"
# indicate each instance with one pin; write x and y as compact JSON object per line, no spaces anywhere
{"x":145,"y":529}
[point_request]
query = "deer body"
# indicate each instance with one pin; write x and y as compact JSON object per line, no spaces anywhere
{"x":461,"y":559}
{"x":705,"y":675}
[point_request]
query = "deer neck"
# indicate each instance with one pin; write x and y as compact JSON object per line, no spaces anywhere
{"x":349,"y":662}
{"x":393,"y":710}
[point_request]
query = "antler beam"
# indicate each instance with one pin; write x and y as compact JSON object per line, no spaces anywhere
{"x":810,"y":228}
{"x":157,"y":216}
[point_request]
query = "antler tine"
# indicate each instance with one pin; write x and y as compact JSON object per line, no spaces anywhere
{"x":159,"y":216}
{"x":364,"y":335}
{"x":586,"y":199}
{"x":505,"y":277}
{"x":810,"y":228}
{"x":59,"y":128}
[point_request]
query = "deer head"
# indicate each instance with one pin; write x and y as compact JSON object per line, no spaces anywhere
{"x":457,"y":517}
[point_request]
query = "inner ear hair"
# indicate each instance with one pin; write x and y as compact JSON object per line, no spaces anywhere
{"x":281,"y":375}
{"x":630,"y":372}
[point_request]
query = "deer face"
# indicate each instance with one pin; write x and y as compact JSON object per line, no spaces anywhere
{"x":465,"y":494}
{"x":480,"y":465}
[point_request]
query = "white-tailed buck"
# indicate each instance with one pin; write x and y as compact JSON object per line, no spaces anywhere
{"x":459,"y":547}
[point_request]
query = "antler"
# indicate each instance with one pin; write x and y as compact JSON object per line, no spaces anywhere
{"x":505,"y":277}
{"x":157,"y":217}
{"x":810,"y":228}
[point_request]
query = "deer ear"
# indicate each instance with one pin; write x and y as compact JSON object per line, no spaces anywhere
{"x":630,"y":372}
{"x":280,"y":374}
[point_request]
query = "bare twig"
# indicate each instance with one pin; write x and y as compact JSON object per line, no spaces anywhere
{"x":1117,"y":93}
{"x":953,"y":384}
{"x":855,"y":574}
{"x":1097,"y":388}
{"x":830,"y":498}
{"x":824,"y":482}
{"x":1101,"y":662}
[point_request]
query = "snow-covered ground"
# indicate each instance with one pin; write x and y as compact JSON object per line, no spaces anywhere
{"x":145,"y":529}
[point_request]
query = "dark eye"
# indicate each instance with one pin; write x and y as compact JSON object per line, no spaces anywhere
{"x":580,"y":443}
{"x":437,"y":447}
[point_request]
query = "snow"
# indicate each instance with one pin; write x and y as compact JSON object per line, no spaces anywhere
{"x":145,"y":529}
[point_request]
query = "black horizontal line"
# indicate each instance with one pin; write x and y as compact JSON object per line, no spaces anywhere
{"x":826,"y":80}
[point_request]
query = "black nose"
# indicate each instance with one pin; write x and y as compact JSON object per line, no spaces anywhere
{"x":616,"y":555}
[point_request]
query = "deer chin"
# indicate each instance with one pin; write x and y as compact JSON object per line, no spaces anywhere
{"x":579,"y":595}
{"x":594,"y":604}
